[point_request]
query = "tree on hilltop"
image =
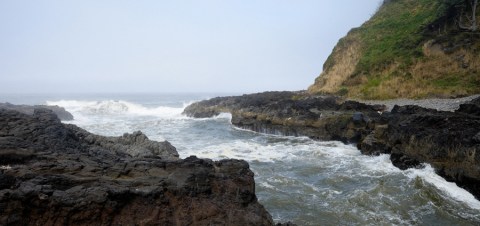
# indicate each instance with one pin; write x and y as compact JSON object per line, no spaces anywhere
{"x":467,"y":17}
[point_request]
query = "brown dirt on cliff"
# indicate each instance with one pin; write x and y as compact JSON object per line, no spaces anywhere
{"x":345,"y":56}
{"x":408,"y":49}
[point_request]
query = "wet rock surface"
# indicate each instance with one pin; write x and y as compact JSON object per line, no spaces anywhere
{"x":57,"y":174}
{"x":449,"y":141}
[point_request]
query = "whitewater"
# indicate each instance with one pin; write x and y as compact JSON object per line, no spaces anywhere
{"x":297,"y":179}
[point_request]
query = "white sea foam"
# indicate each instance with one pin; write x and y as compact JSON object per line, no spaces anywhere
{"x":382,"y":165}
{"x":343,"y":156}
{"x":224,"y":116}
{"x":379,"y":164}
{"x":113,"y":107}
{"x":5,"y":167}
{"x":449,"y":189}
{"x":237,"y":149}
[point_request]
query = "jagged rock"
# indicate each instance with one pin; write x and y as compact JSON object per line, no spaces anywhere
{"x":472,"y":108}
{"x":56,"y":174}
{"x":477,"y":137}
{"x":404,"y":162}
{"x":27,"y":109}
{"x":136,"y":144}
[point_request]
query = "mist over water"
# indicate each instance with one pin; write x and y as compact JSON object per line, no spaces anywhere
{"x":297,"y":179}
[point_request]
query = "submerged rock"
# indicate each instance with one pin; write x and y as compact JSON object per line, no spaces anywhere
{"x":57,"y":174}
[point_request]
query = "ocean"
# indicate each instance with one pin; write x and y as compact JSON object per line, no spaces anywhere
{"x":297,"y":179}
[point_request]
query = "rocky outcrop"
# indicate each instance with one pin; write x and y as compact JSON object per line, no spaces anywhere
{"x":28,"y":109}
{"x":57,"y":174}
{"x":44,"y":131}
{"x":449,"y":141}
{"x":136,"y":144}
{"x":293,"y":113}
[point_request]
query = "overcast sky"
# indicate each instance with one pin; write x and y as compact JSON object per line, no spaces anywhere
{"x":170,"y":46}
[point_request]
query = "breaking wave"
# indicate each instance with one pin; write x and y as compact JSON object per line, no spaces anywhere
{"x":117,"y":107}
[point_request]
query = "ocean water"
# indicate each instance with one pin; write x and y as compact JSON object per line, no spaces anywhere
{"x":297,"y":179}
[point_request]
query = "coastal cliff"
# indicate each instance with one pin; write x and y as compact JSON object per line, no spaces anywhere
{"x":58,"y":174}
{"x":449,"y":141}
{"x":408,"y":49}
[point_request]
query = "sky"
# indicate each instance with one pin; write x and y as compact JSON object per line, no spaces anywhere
{"x":242,"y":46}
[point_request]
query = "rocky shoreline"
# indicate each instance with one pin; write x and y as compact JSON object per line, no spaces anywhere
{"x":57,"y":174}
{"x":448,"y":140}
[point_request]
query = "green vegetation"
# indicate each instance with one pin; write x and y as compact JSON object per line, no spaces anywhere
{"x":370,"y":86}
{"x":455,"y":81}
{"x":342,"y":91}
{"x":410,"y":49}
{"x":394,"y":35}
{"x":447,"y":82}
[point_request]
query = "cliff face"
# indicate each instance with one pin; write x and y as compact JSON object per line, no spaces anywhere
{"x":409,"y":48}
{"x":57,"y":174}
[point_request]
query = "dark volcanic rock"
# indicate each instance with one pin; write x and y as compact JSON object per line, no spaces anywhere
{"x":56,"y":174}
{"x":293,"y":113}
{"x":27,"y":109}
{"x":472,"y":108}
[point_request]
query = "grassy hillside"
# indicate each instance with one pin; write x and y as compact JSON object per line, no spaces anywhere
{"x":409,"y":48}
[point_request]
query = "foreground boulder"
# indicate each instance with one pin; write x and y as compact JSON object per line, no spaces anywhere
{"x":449,"y":141}
{"x":56,"y":174}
